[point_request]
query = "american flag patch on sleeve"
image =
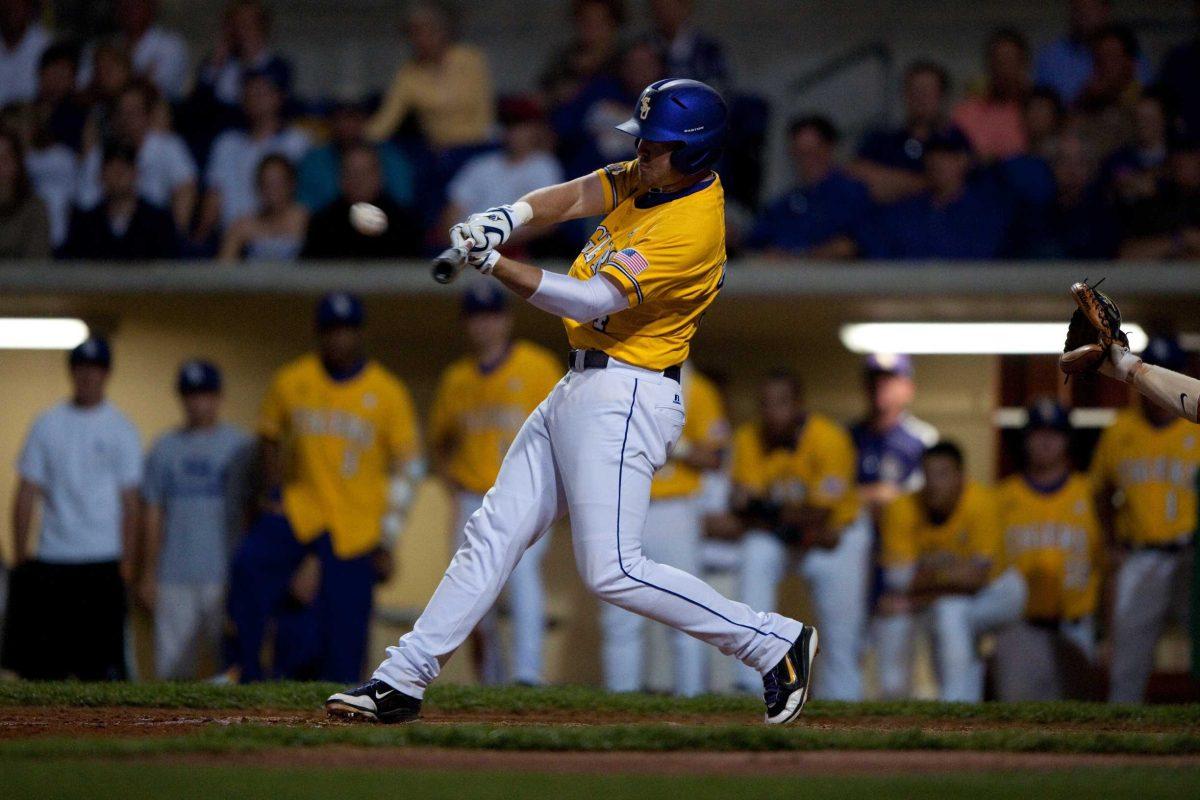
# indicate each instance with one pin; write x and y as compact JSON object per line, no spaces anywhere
{"x":631,"y":260}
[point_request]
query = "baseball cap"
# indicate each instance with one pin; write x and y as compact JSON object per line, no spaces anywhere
{"x":483,"y":297}
{"x":948,"y":140}
{"x":889,"y":363}
{"x":338,"y":310}
{"x":1045,"y":413}
{"x":1165,"y":352}
{"x":92,"y":350}
{"x":197,"y":375}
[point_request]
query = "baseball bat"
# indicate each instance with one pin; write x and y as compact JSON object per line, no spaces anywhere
{"x":449,"y":263}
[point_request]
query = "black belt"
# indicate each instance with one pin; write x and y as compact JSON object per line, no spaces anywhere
{"x":598,"y":359}
{"x":1050,"y":623}
{"x":1171,"y":548}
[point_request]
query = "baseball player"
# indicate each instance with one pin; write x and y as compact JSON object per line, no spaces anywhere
{"x":674,"y":516}
{"x":793,"y":487}
{"x":940,"y":550}
{"x":631,"y":304}
{"x":194,"y":495}
{"x":1051,"y":535}
{"x":481,"y":401}
{"x":338,"y":435}
{"x":1147,"y":459}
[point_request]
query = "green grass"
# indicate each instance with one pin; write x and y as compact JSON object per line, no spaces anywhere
{"x":83,"y":779}
{"x":517,"y":700}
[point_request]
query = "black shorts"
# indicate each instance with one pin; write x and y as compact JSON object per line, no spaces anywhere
{"x":66,"y":621}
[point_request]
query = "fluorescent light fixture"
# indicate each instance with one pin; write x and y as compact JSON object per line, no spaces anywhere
{"x":954,"y":338}
{"x":41,"y":333}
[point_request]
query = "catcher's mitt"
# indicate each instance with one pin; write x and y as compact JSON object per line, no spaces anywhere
{"x":1095,"y":325}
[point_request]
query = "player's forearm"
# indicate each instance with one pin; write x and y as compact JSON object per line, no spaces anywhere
{"x":575,"y":199}
{"x":23,"y":519}
{"x":152,"y":521}
{"x":561,"y":295}
{"x":129,"y":529}
{"x":1177,"y":393}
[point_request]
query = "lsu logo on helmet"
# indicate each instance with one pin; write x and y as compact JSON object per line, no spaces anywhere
{"x":645,"y":110}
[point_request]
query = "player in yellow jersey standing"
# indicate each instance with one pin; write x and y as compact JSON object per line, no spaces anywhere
{"x":1050,"y":534}
{"x":339,"y":441}
{"x":794,"y":490}
{"x":631,"y":304}
{"x":1149,"y":456}
{"x":674,"y":522}
{"x":940,"y":551}
{"x":480,"y":404}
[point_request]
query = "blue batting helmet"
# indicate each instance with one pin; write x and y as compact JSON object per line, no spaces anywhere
{"x":684,"y":111}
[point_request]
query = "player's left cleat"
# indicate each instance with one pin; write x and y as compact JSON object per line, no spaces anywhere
{"x":374,"y":701}
{"x":785,"y":687}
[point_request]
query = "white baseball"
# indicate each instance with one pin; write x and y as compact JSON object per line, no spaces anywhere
{"x":367,"y":219}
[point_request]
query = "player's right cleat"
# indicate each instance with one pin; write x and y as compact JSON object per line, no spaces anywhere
{"x":785,"y":687}
{"x":374,"y":701}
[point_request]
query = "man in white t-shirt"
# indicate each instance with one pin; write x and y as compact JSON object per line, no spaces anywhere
{"x":166,"y":171}
{"x":233,"y":163}
{"x":526,"y":163}
{"x":82,"y":461}
{"x":21,"y":44}
{"x":158,"y":54}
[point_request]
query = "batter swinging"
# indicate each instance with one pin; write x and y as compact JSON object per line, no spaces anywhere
{"x":631,"y":304}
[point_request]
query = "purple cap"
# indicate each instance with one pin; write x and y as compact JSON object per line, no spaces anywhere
{"x":890,"y":363}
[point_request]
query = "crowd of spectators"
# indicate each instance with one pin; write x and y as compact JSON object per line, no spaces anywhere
{"x":1081,"y":148}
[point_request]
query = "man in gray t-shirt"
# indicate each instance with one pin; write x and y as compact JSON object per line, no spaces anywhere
{"x":195,"y":490}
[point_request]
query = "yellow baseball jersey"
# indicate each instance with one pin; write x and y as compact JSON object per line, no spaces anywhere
{"x":704,"y":424}
{"x":341,"y":438}
{"x":667,"y":252}
{"x":819,"y":471}
{"x":1054,"y":539}
{"x":479,"y":411}
{"x":1154,"y":469}
{"x":972,"y":533}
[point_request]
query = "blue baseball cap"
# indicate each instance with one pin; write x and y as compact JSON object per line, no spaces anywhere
{"x":1165,"y":352}
{"x":483,"y":297}
{"x":339,"y":310}
{"x":197,"y":375}
{"x":1045,"y":413}
{"x":890,"y":363}
{"x":92,"y":350}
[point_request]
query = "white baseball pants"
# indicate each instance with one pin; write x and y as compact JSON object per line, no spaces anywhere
{"x":590,"y":450}
{"x":1151,"y":586}
{"x":188,"y":621}
{"x":526,"y":606}
{"x":672,"y":537}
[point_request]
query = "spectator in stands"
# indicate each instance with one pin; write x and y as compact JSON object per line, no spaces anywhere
{"x":53,"y":168}
{"x":1106,"y":106}
{"x":817,"y":218}
{"x":60,"y":110}
{"x":242,"y":49}
{"x":587,"y":137}
{"x":195,"y":497}
{"x":1065,"y":65}
{"x":593,"y":50}
{"x":993,"y":120}
{"x":891,"y":162}
{"x":111,"y":73}
{"x":446,"y":84}
{"x":22,"y":40}
{"x":688,"y":52}
{"x":166,"y":173}
{"x":236,"y":154}
{"x":159,"y":55}
{"x":122,"y":226}
{"x":1177,"y":79}
{"x":1044,"y":118}
{"x":83,"y":462}
{"x":24,"y":225}
{"x":958,"y":217}
{"x":339,"y":441}
{"x":330,"y":234}
{"x":319,"y":171}
{"x":1077,"y":223}
{"x":492,"y":179}
{"x":1166,"y":225}
{"x":275,"y":232}
{"x":1132,"y":173}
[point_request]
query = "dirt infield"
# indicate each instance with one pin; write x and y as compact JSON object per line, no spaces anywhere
{"x":37,"y":722}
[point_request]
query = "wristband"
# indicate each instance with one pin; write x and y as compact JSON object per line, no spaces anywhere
{"x":522,"y":212}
